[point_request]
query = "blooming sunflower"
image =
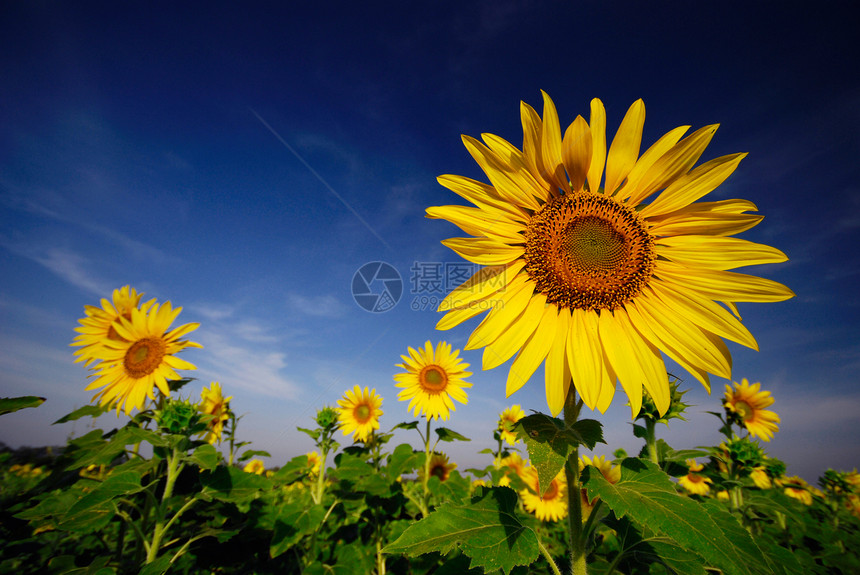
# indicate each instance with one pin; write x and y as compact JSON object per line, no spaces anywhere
{"x":359,"y":412}
{"x":592,"y":275}
{"x":514,"y":466}
{"x":98,"y":323}
{"x":215,"y":404}
{"x":797,"y":488}
{"x":748,"y":403}
{"x":254,"y":466}
{"x":553,"y":505}
{"x":693,"y":482}
{"x":507,"y":420}
{"x":432,"y":380}
{"x":439,"y":467}
{"x":314,"y":462}
{"x":143,"y":359}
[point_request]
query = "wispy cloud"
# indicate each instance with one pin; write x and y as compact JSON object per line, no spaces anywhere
{"x":67,"y":264}
{"x":317,"y":306}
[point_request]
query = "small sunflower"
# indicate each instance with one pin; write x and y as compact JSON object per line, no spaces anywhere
{"x":215,"y":404}
{"x":359,"y":412}
{"x":513,"y":466}
{"x":507,"y":420}
{"x":439,"y":467}
{"x":748,"y":404}
{"x":98,"y":323}
{"x":314,"y":462}
{"x":553,"y":505}
{"x":598,"y":275}
{"x":797,"y":488}
{"x":432,"y":380}
{"x":143,"y":359}
{"x":255,"y":466}
{"x":694,"y":482}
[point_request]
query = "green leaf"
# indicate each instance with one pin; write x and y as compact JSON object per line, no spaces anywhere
{"x":648,"y":496}
{"x":85,"y":411}
{"x":10,"y":404}
{"x":95,"y":509}
{"x":295,"y":520}
{"x":550,"y":442}
{"x":314,"y":433}
{"x":446,"y":434}
{"x":642,"y":547}
{"x":487,"y":530}
{"x":232,"y":485}
{"x":406,"y":425}
{"x":253,"y":453}
{"x":206,"y":456}
{"x":402,"y":460}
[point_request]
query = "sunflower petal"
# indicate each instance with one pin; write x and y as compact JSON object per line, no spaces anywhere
{"x":717,"y":253}
{"x":625,"y":147}
{"x":484,"y":251}
{"x":597,"y":124}
{"x":552,"y":167}
{"x":533,"y":352}
{"x":556,"y":370}
{"x":505,"y":310}
{"x":576,"y":152}
{"x":507,"y":344}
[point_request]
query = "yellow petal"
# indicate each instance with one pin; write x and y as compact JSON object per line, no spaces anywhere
{"x":717,"y":253}
{"x":533,"y":352}
{"x":723,"y":285}
{"x":507,"y":344}
{"x":510,"y":184}
{"x":585,"y":356}
{"x":723,"y":218}
{"x":673,"y":164}
{"x":484,"y":251}
{"x":647,"y":161}
{"x":625,"y":147}
{"x":556,"y":369}
{"x":576,"y":152}
{"x":693,"y":185}
{"x":506,"y":308}
{"x":597,"y":124}
{"x":477,"y":222}
{"x":551,"y":145}
{"x":515,"y":158}
{"x":483,"y":283}
{"x":483,"y":196}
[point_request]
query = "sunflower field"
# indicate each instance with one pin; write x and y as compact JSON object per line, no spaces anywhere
{"x":596,"y":263}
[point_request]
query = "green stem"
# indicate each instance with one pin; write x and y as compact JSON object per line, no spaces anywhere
{"x":426,"y":507}
{"x":576,"y":540}
{"x":548,"y":558}
{"x":174,"y":467}
{"x":320,"y":486}
{"x":651,"y":440}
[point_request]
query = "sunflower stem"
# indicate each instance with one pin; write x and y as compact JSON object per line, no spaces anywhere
{"x":576,"y":541}
{"x":174,"y":467}
{"x":426,"y":508}
{"x":545,"y":552}
{"x":651,"y":440}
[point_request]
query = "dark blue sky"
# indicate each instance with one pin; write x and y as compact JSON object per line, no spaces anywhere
{"x":142,"y":144}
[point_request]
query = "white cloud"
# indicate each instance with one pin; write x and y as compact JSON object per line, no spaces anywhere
{"x":317,"y":306}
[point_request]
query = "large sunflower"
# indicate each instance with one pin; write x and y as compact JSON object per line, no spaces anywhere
{"x":585,"y":274}
{"x":98,"y":323}
{"x":359,"y":412}
{"x":215,"y":404}
{"x":432,"y":380}
{"x":748,"y":403}
{"x":553,"y":505}
{"x":144,"y":357}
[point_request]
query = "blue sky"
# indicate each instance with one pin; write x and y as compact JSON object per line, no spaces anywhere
{"x":244,"y":163}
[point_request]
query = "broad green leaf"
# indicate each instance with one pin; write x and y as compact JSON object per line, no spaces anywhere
{"x":85,"y":411}
{"x":446,"y":434}
{"x":10,"y":404}
{"x":648,"y":496}
{"x":131,"y":434}
{"x":206,"y":456}
{"x":313,"y":433}
{"x":246,"y":455}
{"x":402,"y":460}
{"x":486,"y":529}
{"x":96,"y":505}
{"x":294,"y":469}
{"x":232,"y":485}
{"x":66,"y":565}
{"x":295,"y":521}
{"x":406,"y":425}
{"x":455,"y":489}
{"x":588,"y":432}
{"x":640,"y":546}
{"x":157,"y":567}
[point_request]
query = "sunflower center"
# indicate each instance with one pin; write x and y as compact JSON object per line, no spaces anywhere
{"x":588,"y":251}
{"x":362,"y":413}
{"x":744,"y":410}
{"x":693,"y":478}
{"x":144,"y":356}
{"x":433,"y":378}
